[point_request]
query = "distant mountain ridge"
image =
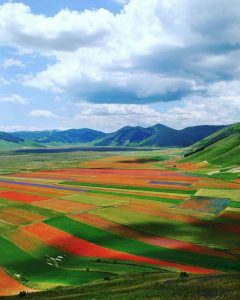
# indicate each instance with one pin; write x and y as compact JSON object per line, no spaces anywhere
{"x":135,"y":136}
{"x":9,"y":141}
{"x":83,"y":135}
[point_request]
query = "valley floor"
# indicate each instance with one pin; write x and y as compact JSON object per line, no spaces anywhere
{"x":109,"y":220}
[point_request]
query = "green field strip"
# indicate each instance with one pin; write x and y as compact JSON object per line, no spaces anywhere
{"x":48,"y":213}
{"x":30,"y":179}
{"x":113,"y":241}
{"x":38,"y":272}
{"x":6,"y":203}
{"x":5,"y":227}
{"x":127,"y":187}
{"x":195,"y":233}
{"x":139,"y":197}
{"x":87,"y":198}
{"x":235,"y":204}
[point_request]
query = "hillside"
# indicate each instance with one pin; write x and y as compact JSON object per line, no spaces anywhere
{"x":197,"y":133}
{"x":222,"y":147}
{"x":159,"y":285}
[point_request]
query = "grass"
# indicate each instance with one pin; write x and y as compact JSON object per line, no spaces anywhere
{"x":161,"y":286}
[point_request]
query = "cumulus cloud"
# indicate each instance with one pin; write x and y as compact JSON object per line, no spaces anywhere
{"x":161,"y":50}
{"x":224,"y":109}
{"x":156,"y":51}
{"x":14,"y":98}
{"x":66,"y":31}
{"x":11,"y":62}
{"x":42,"y":114}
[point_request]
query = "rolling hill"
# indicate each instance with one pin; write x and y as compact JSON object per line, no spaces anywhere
{"x":222,"y":147}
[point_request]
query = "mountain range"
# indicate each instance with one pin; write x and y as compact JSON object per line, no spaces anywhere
{"x":154,"y":136}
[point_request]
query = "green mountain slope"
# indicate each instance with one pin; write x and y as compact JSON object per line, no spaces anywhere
{"x":222,"y":147}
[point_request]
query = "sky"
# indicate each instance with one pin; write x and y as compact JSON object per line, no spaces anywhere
{"x":105,"y":64}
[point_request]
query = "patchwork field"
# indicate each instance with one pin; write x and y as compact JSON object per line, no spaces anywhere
{"x":113,"y":215}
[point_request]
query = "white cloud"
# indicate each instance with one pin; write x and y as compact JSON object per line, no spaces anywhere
{"x":156,"y":51}
{"x":42,"y":114}
{"x":11,"y":62}
{"x":66,"y":31}
{"x":159,"y":50}
{"x":14,"y":98}
{"x":223,"y":109}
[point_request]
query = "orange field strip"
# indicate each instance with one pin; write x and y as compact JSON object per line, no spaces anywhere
{"x":19,"y":216}
{"x":80,"y":247}
{"x":21,"y":197}
{"x":49,"y":192}
{"x":25,"y":240}
{"x":100,"y":222}
{"x":64,"y":205}
{"x":131,"y":177}
{"x":213,"y":184}
{"x":10,"y":286}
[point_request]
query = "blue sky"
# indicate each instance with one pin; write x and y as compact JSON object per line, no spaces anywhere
{"x":105,"y":64}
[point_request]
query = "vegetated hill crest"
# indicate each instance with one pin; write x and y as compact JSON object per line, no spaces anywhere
{"x":221,"y":147}
{"x":136,"y":136}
